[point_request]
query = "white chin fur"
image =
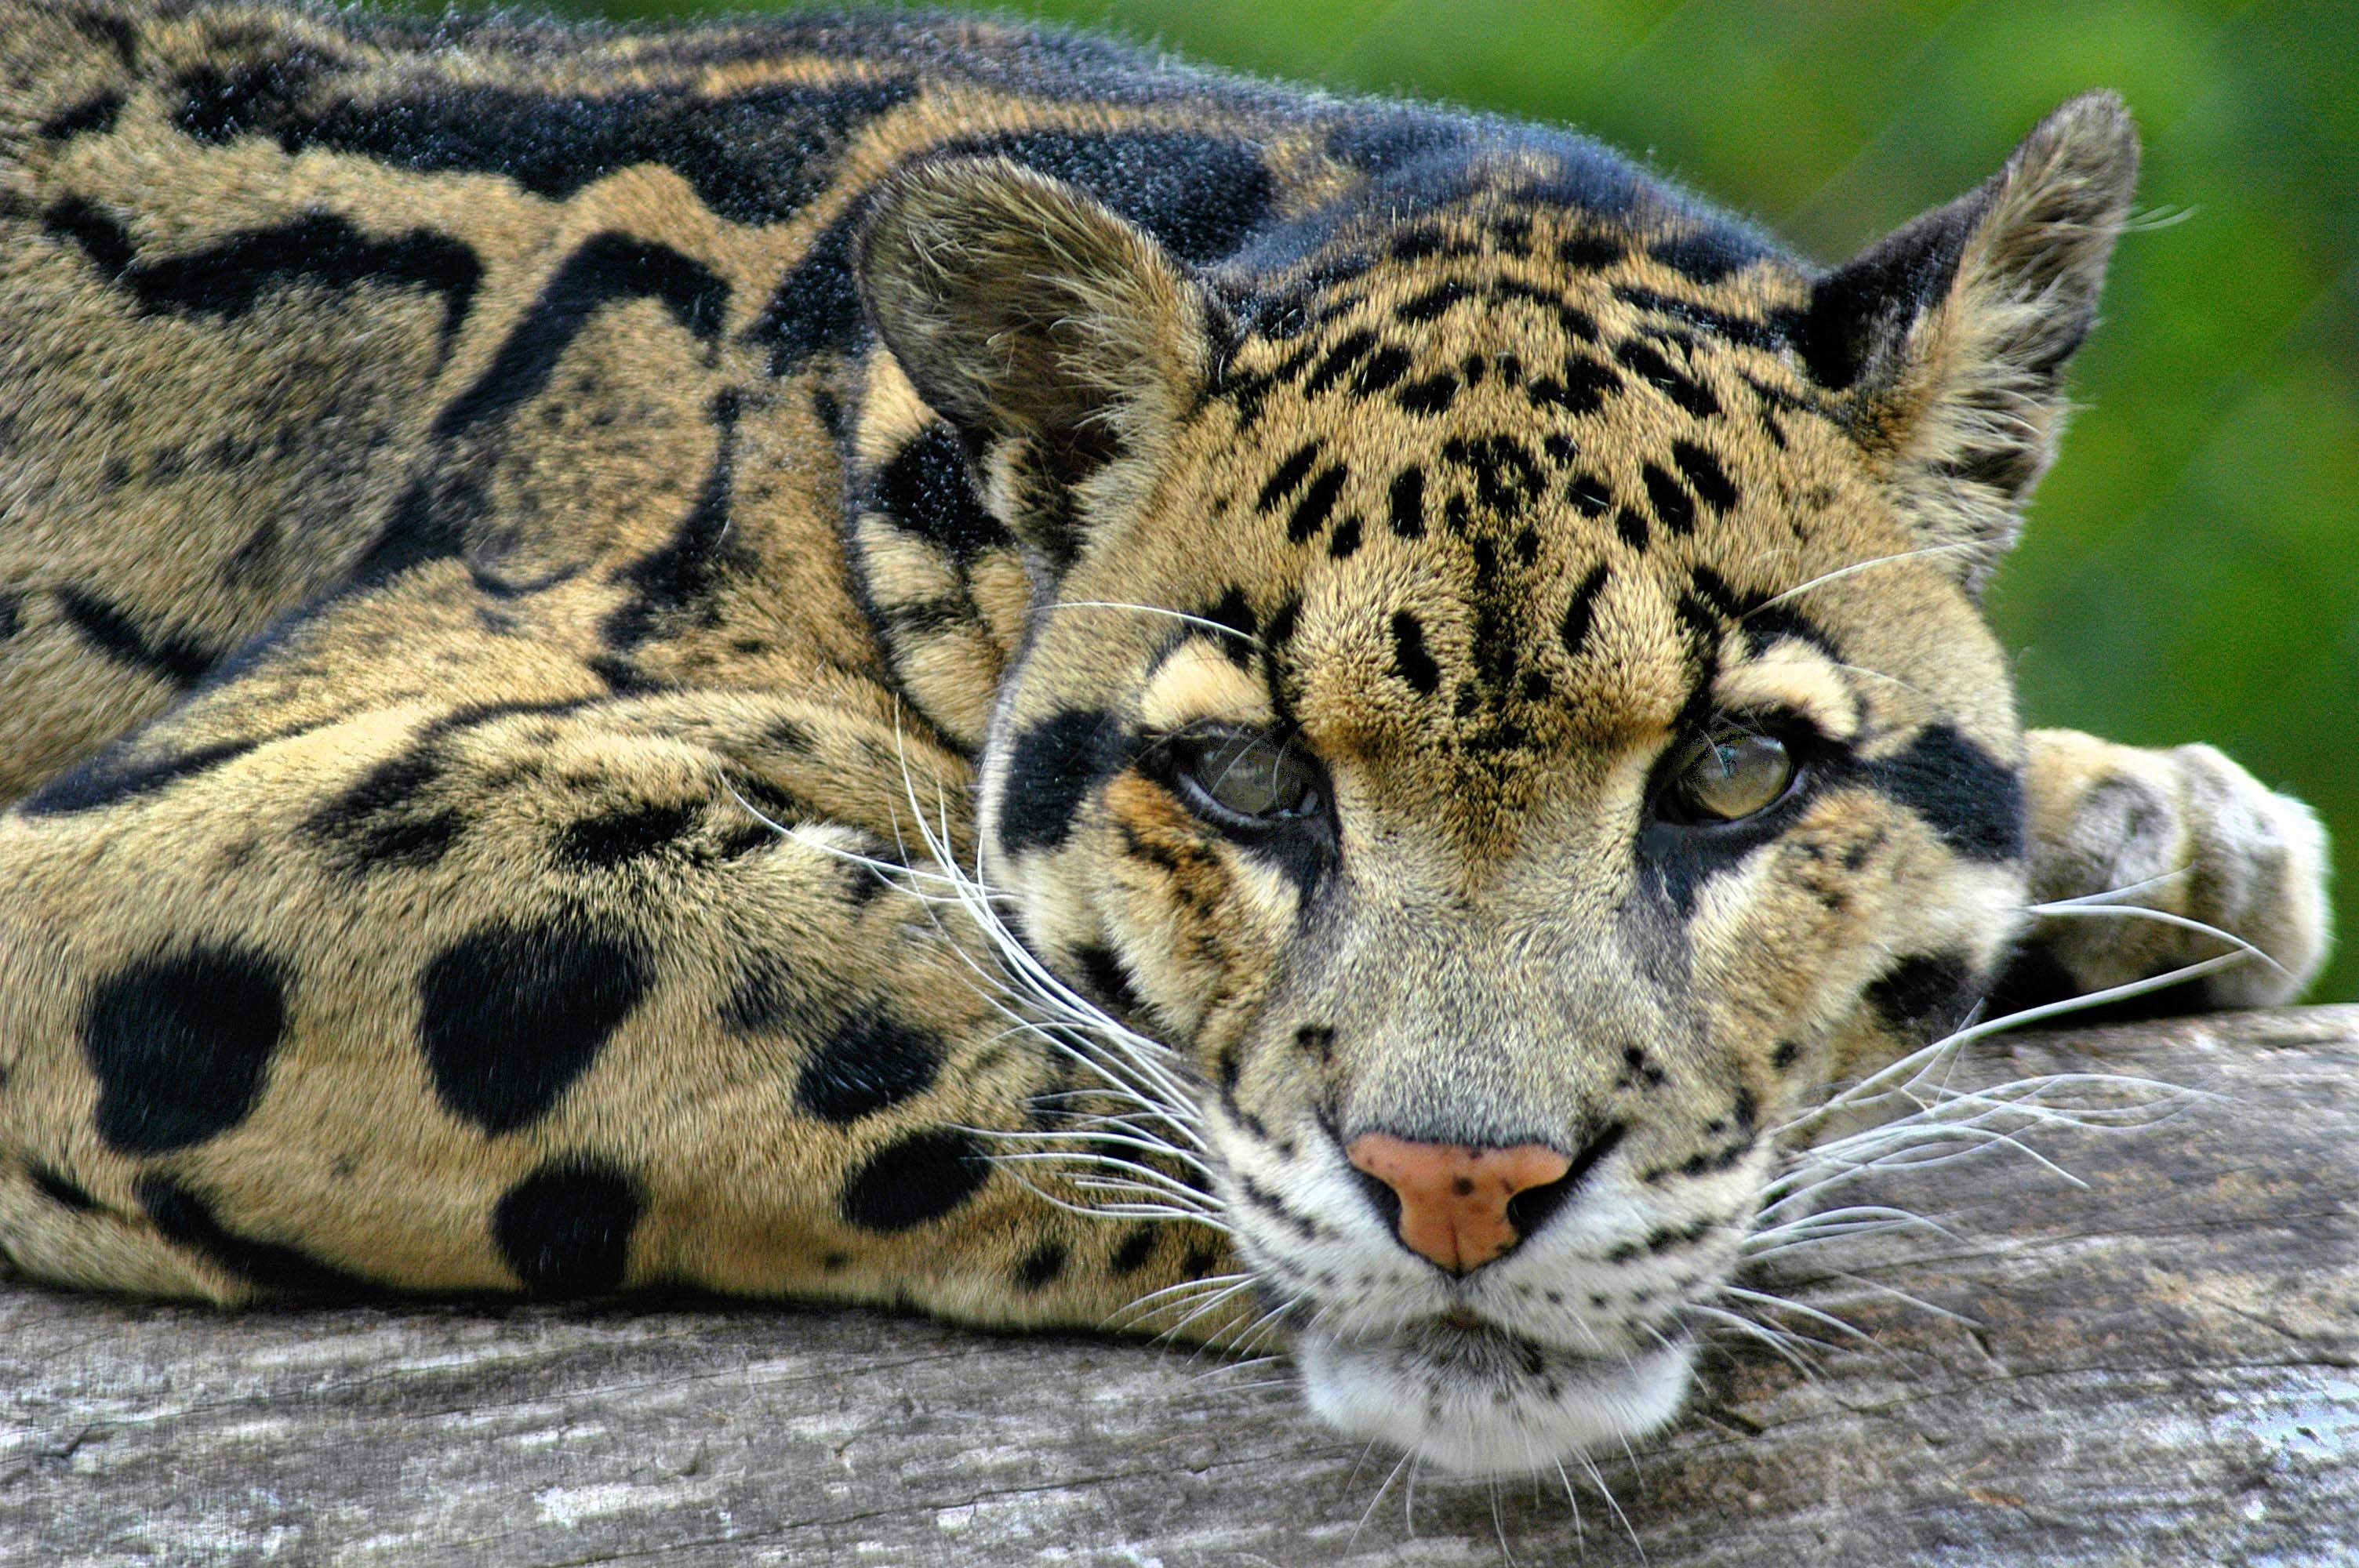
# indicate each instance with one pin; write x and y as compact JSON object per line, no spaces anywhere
{"x":1448,"y":1412}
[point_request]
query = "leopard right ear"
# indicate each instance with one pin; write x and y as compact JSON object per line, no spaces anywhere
{"x":1947,"y":341}
{"x":1065,"y":342}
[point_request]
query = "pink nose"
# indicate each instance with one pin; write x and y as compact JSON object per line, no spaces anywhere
{"x":1454,"y":1199}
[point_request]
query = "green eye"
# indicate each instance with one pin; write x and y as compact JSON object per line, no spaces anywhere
{"x":1732,"y":775}
{"x":1228,"y":774}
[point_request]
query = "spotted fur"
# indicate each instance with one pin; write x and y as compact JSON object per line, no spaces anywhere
{"x":593,"y":626}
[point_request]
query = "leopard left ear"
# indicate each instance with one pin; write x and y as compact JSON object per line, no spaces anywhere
{"x":1064,"y":342}
{"x":1949,"y":337}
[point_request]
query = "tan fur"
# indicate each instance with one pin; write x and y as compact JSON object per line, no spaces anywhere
{"x":524,"y":992}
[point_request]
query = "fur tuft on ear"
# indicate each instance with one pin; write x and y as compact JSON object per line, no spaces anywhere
{"x":1952,"y":334}
{"x":1064,"y":342}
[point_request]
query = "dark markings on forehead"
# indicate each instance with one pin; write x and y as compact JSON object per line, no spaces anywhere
{"x":1340,"y":358}
{"x":1590,"y":494}
{"x":1431,"y":397}
{"x":1409,"y":657}
{"x":1507,"y":478}
{"x":1408,"y":503}
{"x":1581,"y":613}
{"x":1236,"y":614}
{"x":1317,"y":504}
{"x":1704,"y":474}
{"x":1681,"y":388}
{"x":1386,"y":366}
{"x":1741,"y":329}
{"x":1287,"y":476}
{"x":1632,"y":529}
{"x":1582,"y":389}
{"x":1707,"y":255}
{"x":1592,"y":251}
{"x":1576,"y":322}
{"x":1427,"y":306}
{"x":1674,"y":507}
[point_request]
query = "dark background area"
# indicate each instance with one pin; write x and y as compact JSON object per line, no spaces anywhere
{"x":2185,"y":574}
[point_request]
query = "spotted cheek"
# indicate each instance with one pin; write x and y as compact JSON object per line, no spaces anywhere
{"x":1189,"y":912}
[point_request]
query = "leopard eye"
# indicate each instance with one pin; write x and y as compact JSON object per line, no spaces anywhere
{"x":1732,"y":775}
{"x":1240,"y":778}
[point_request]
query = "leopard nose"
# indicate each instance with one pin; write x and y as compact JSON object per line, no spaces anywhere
{"x":1454,"y":1199}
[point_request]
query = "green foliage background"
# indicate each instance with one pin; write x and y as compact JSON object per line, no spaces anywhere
{"x":2187,"y":573}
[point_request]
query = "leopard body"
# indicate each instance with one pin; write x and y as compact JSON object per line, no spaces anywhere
{"x":595,"y":626}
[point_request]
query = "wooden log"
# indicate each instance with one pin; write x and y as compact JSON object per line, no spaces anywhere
{"x":2161,"y":1367}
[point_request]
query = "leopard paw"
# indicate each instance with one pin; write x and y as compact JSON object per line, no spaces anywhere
{"x":2184,"y":832}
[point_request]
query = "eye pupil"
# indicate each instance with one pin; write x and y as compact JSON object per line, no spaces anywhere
{"x":1241,"y":776}
{"x":1735,"y":775}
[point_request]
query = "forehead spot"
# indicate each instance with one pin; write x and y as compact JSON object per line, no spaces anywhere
{"x":1410,"y":659}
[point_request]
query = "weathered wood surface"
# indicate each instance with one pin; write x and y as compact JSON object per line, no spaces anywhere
{"x":2165,"y":1371}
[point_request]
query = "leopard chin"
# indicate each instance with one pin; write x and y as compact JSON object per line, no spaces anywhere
{"x":1480,"y":1403}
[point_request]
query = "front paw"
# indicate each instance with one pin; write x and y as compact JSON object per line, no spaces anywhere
{"x":2184,"y":831}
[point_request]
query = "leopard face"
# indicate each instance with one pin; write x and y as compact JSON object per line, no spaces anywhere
{"x":1506,"y":703}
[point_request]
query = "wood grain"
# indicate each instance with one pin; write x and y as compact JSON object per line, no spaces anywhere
{"x":2162,"y":1367}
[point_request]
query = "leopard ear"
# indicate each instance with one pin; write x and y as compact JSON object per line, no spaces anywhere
{"x":1950,"y":336}
{"x":1062,"y":341}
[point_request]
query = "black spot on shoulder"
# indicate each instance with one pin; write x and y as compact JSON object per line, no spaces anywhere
{"x":1968,"y":796}
{"x":1041,"y":1267}
{"x":595,"y":842}
{"x":1582,"y":388}
{"x":511,"y":1015}
{"x":1052,"y":767}
{"x":389,"y":817}
{"x":1409,"y":657}
{"x":1589,"y":494}
{"x":1137,"y":1246}
{"x":1581,"y":613}
{"x":768,"y":999}
{"x":187,"y":1219}
{"x":182,"y":1042}
{"x":183,"y":661}
{"x":1408,"y":504}
{"x":94,"y":116}
{"x":58,"y":1188}
{"x":925,"y":488}
{"x":566,"y":1229}
{"x":872,"y":1062}
{"x":1344,"y":542}
{"x":1632,"y":528}
{"x":923,"y":1177}
{"x":605,"y":269}
{"x":229,"y":278}
{"x":1925,"y":996}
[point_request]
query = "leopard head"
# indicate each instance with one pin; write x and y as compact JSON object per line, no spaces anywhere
{"x":1501,"y":692}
